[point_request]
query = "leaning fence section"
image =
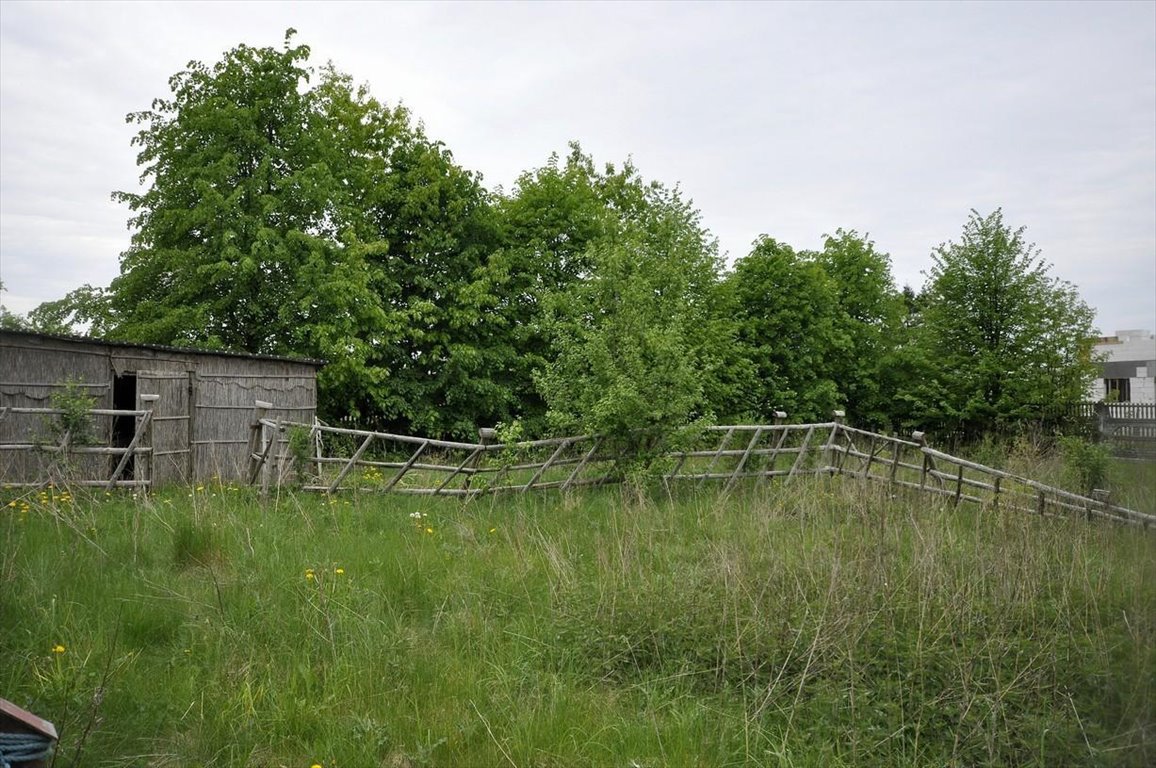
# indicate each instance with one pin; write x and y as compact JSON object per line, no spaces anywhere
{"x":915,"y":465}
{"x":329,"y":459}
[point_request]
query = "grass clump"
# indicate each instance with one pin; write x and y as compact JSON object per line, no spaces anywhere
{"x":816,"y":622}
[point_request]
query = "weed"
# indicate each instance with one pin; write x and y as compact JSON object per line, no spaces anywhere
{"x":1085,"y":463}
{"x":816,"y":622}
{"x":73,"y":424}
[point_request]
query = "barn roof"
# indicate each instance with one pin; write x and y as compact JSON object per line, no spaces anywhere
{"x":160,"y":347}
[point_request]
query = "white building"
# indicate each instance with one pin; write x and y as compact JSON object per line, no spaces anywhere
{"x":1128,"y":371}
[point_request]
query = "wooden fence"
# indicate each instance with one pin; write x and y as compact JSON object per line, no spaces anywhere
{"x":83,"y":465}
{"x":330,"y":459}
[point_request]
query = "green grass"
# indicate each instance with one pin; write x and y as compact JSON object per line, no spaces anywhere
{"x":809,"y":623}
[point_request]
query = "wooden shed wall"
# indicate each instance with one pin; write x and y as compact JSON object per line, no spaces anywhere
{"x":201,"y":419}
{"x":224,"y":398}
{"x":30,"y":372}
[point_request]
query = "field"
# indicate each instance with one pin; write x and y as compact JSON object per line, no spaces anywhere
{"x":814,"y":622}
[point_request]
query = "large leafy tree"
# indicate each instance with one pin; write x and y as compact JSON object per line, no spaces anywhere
{"x":549,"y":223}
{"x":426,"y":229}
{"x":869,"y":324}
{"x":287,"y":212}
{"x":637,"y":345}
{"x":1000,"y":336}
{"x":234,"y":203}
{"x":789,"y":325}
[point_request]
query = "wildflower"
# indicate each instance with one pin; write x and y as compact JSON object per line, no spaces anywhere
{"x":12,"y":503}
{"x":339,"y":571}
{"x":429,"y":530}
{"x":317,"y":765}
{"x":309,"y":575}
{"x":492,"y":530}
{"x":58,"y":649}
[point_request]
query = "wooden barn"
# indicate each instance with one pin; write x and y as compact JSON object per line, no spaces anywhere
{"x":201,"y":405}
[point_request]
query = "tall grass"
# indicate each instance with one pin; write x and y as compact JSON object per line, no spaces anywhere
{"x":809,"y":623}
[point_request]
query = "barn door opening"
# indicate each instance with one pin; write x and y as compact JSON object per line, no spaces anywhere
{"x":124,"y":427}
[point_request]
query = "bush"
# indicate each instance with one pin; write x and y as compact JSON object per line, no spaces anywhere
{"x":74,"y":420}
{"x":1085,"y":464}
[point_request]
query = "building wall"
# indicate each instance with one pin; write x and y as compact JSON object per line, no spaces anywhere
{"x":1128,"y":355}
{"x":201,"y":418}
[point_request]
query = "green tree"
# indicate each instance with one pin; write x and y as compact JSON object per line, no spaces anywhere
{"x":636,"y":343}
{"x":1000,"y":337}
{"x":426,"y":229}
{"x":869,"y":325}
{"x":234,"y":204}
{"x":10,"y":320}
{"x":789,"y":324}
{"x":293,"y":214}
{"x":86,"y":308}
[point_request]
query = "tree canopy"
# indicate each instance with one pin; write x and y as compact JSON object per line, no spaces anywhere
{"x":287,"y":211}
{"x":1000,"y":337}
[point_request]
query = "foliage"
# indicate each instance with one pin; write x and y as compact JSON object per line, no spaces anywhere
{"x":549,"y":222}
{"x":426,"y":228}
{"x":1085,"y":463}
{"x":1000,"y":337}
{"x":86,"y":307}
{"x":291,"y":218}
{"x":289,"y":212}
{"x":634,"y":342}
{"x":232,"y":208}
{"x":10,"y":320}
{"x":300,"y":449}
{"x":869,"y":321}
{"x":789,"y":325}
{"x":74,"y":422}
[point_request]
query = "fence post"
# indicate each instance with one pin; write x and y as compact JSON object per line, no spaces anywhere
{"x":486,"y":436}
{"x":1103,"y":498}
{"x":921,"y":438}
{"x":142,"y":434}
{"x":256,"y":437}
{"x":315,"y":436}
{"x":1102,"y":416}
{"x":147,"y":461}
{"x":835,"y":464}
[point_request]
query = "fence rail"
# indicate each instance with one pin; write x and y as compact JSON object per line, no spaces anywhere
{"x":331,"y":459}
{"x":133,"y":469}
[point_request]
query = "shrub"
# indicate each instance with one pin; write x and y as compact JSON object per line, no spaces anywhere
{"x":1085,"y":463}
{"x":75,"y":419}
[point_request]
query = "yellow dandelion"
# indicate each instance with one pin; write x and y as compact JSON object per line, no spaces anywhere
{"x":58,"y":649}
{"x":492,"y":530}
{"x":309,"y":576}
{"x":339,"y":571}
{"x":429,"y":530}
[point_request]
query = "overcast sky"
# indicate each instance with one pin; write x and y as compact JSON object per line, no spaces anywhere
{"x":786,"y":119}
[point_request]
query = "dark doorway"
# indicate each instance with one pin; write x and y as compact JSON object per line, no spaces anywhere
{"x":123,"y":427}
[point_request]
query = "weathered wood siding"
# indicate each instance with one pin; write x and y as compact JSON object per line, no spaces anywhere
{"x":224,"y":397}
{"x":201,"y":417}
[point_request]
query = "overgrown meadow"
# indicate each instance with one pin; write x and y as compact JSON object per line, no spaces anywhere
{"x":815,"y":622}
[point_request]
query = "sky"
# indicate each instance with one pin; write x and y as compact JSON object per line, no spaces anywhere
{"x":895,"y":120}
